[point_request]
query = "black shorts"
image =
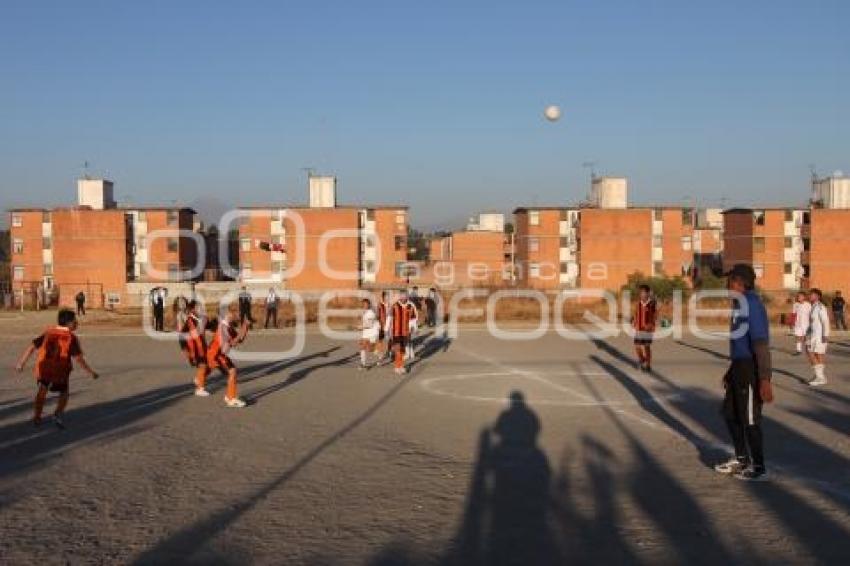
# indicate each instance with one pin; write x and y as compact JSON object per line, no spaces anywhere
{"x":742,"y":402}
{"x":55,"y":386}
{"x":643,"y":341}
{"x":401,"y":340}
{"x":381,"y":335}
{"x":223,"y":362}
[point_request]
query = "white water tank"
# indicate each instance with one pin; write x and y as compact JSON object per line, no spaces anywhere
{"x":322,"y":191}
{"x":832,"y":192}
{"x":96,"y":193}
{"x":609,"y":192}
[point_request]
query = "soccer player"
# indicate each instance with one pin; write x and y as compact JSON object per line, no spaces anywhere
{"x":838,"y":305}
{"x":802,"y":311}
{"x":644,"y":325}
{"x":383,"y":350}
{"x":414,"y":327}
{"x":370,"y":328}
{"x":747,"y":381}
{"x":816,"y":337}
{"x":226,"y":337}
{"x":398,"y":325}
{"x":57,"y":349}
{"x":194,"y":346}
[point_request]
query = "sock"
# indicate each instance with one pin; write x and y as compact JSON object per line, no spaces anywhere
{"x":399,"y":361}
{"x":39,"y":402}
{"x":820,"y":371}
{"x":362,"y":357}
{"x":799,"y":347}
{"x":231,"y":386}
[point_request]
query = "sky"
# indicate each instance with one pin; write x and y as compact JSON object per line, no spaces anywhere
{"x":436,"y":104}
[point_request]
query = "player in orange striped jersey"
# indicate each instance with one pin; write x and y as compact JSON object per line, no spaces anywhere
{"x":226,"y":337}
{"x":402,"y":314}
{"x":194,"y":346}
{"x":644,"y":325}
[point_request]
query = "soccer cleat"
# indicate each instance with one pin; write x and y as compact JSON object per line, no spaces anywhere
{"x":401,"y":370}
{"x":733,"y":466}
{"x":57,"y":420}
{"x":234,"y":402}
{"x":201,"y":392}
{"x":752,"y":474}
{"x":818,"y":381}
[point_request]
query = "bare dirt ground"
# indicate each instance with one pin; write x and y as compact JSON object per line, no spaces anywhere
{"x":329,"y":465}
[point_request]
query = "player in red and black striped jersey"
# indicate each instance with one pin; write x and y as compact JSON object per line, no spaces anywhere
{"x":227,"y":335}
{"x":58,"y":348}
{"x":646,"y":313}
{"x":401,"y":315}
{"x":194,"y":346}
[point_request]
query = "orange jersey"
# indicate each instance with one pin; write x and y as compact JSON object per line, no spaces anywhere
{"x":402,"y":315}
{"x":645,"y":315}
{"x":193,"y":334}
{"x":224,"y":338}
{"x":56,"y":347}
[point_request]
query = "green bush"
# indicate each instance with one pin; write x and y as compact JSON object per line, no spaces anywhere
{"x":661,"y":286}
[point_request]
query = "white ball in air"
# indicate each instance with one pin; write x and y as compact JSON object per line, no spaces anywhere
{"x":552,"y":113}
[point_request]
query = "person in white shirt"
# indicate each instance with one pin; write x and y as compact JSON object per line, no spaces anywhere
{"x":409,"y":354}
{"x":370,"y":328}
{"x":802,"y":312}
{"x":816,"y":337}
{"x":271,"y":308}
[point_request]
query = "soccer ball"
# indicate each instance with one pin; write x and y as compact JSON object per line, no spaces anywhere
{"x":552,"y":113}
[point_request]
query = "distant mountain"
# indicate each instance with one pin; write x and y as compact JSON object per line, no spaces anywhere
{"x":210,"y":209}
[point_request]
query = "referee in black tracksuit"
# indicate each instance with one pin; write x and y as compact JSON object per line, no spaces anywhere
{"x":747,"y":381}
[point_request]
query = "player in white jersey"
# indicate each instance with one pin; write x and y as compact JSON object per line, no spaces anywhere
{"x":816,"y":337}
{"x":802,"y":312}
{"x":370,"y":328}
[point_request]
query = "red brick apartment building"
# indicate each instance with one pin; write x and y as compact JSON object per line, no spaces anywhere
{"x":791,"y":248}
{"x":327,"y":246}
{"x":98,"y":248}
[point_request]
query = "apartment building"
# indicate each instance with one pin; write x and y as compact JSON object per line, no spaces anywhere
{"x":97,"y":247}
{"x":326,"y":245}
{"x":481,"y":255}
{"x":546,"y":245}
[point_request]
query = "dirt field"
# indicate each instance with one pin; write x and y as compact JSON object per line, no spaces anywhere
{"x":329,"y":465}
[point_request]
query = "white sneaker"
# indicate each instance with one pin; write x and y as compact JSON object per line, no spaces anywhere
{"x":818,"y":381}
{"x":201,"y":392}
{"x":733,"y":466}
{"x":235,"y":402}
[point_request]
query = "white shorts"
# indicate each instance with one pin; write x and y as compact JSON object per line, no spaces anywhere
{"x":799,"y":333}
{"x":816,"y":347}
{"x":370,"y":336}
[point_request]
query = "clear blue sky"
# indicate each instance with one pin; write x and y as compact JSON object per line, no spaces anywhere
{"x":433,"y":103}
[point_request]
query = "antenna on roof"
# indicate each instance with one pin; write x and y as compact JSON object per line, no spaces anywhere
{"x":86,"y":170}
{"x":592,"y":166}
{"x":813,"y":172}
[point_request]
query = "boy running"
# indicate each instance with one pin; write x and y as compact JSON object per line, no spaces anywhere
{"x":371,"y":330}
{"x":802,"y":312}
{"x":226,"y":337}
{"x":398,"y":325}
{"x":644,"y":325}
{"x":56,"y":347}
{"x":194,"y":346}
{"x":816,"y":337}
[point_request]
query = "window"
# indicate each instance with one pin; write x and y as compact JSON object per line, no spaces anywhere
{"x":46,"y":243}
{"x":807,"y":243}
{"x":247,"y":269}
{"x":143,"y":269}
{"x":789,"y":242}
{"x":686,"y":243}
{"x":143,"y":216}
{"x":758,"y":217}
{"x":18,"y":246}
{"x":758,"y":244}
{"x":563,"y":214}
{"x":789,"y":269}
{"x":534,"y":217}
{"x":759,"y":269}
{"x":277,"y":214}
{"x":657,"y":241}
{"x":399,"y":243}
{"x":171,"y":217}
{"x":657,"y":268}
{"x":806,"y":270}
{"x":277,"y":267}
{"x":807,"y":218}
{"x":789,"y":215}
{"x":565,"y":267}
{"x":141,"y":243}
{"x":400,"y":217}
{"x":369,"y":267}
{"x":45,"y":217}
{"x":361,"y":220}
{"x":18,"y":273}
{"x":533,"y":244}
{"x":658,"y":214}
{"x":113,"y":298}
{"x":400,"y":269}
{"x":172,"y":244}
{"x":17,"y":220}
{"x":534,"y":270}
{"x":48,"y":269}
{"x":370,"y":214}
{"x":687,"y":216}
{"x":245,"y":244}
{"x":173,"y":272}
{"x":565,"y":242}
